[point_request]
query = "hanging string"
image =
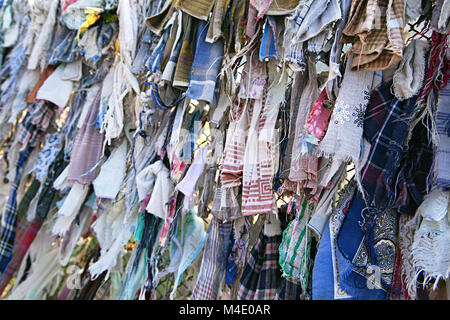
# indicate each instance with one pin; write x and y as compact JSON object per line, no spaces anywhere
{"x":438,"y":65}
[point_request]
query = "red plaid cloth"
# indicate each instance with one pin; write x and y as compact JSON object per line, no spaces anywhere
{"x":25,"y":242}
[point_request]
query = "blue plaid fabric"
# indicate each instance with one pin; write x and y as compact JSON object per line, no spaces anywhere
{"x":386,"y":126}
{"x":205,"y":68}
{"x":9,"y":217}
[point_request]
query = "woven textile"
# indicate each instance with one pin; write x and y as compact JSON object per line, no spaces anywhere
{"x":386,"y":126}
{"x":199,"y":9}
{"x":36,"y":121}
{"x":296,"y":245}
{"x":259,"y":158}
{"x":205,"y":67}
{"x":216,"y":21}
{"x":262,"y":275}
{"x":186,"y":55}
{"x":375,"y":29}
{"x":303,"y":167}
{"x":442,"y":169}
{"x":87,"y":148}
{"x":9,"y":217}
{"x":214,"y":260}
{"x":343,"y":138}
{"x":409,"y":76}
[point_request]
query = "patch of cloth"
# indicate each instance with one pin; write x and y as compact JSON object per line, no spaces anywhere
{"x":375,"y":29}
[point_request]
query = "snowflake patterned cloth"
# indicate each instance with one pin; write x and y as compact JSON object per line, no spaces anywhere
{"x":342,"y":140}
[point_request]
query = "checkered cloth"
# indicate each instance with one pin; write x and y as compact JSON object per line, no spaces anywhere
{"x":214,"y":260}
{"x":9,"y":217}
{"x":87,"y":148}
{"x":375,"y":28}
{"x":25,"y":231}
{"x":386,"y":125}
{"x":205,"y":67}
{"x":21,"y":229}
{"x":22,"y":248}
{"x":35,"y":122}
{"x":289,"y":289}
{"x":262,"y":275}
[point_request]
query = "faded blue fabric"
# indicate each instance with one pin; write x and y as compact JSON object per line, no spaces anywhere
{"x":442,"y":118}
{"x":205,"y":67}
{"x":10,"y":73}
{"x":328,"y":261}
{"x":104,"y":33}
{"x":322,"y":275}
{"x":96,"y":75}
{"x":154,"y":62}
{"x":143,"y":53}
{"x":66,"y":48}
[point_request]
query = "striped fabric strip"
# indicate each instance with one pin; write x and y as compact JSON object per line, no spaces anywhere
{"x":214,"y":260}
{"x":295,"y":247}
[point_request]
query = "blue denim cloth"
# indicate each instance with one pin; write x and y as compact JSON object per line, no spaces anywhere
{"x":322,"y":275}
{"x":105,"y":32}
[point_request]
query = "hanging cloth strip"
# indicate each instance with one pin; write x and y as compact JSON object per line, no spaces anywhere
{"x":262,"y":276}
{"x":375,"y":29}
{"x":9,"y":216}
{"x":87,"y":147}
